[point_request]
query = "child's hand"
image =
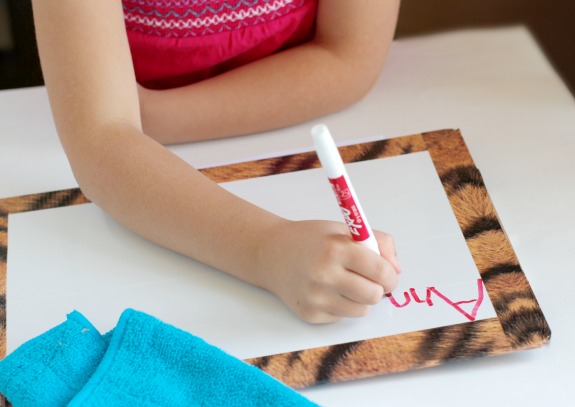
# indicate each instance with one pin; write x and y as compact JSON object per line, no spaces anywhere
{"x":322,"y":274}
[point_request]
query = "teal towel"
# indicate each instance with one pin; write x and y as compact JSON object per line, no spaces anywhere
{"x":50,"y":369}
{"x":146,"y":363}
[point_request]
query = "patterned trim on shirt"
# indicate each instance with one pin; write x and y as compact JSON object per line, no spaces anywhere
{"x":185,"y":18}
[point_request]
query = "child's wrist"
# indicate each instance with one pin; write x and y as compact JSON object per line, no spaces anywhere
{"x":269,"y":249}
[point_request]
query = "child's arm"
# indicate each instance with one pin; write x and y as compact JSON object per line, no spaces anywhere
{"x":332,"y":71}
{"x":313,"y":266}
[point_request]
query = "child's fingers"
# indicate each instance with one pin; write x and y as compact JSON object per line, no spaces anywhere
{"x":387,"y":249}
{"x":360,"y":289}
{"x":330,"y":307}
{"x":341,"y":306}
{"x":370,"y":266}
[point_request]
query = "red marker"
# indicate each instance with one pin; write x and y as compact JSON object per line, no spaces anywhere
{"x":346,"y":198}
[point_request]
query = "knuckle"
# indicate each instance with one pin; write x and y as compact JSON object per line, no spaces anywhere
{"x":393,"y":283}
{"x":311,"y":310}
{"x":381,"y":268}
{"x":362,"y":311}
{"x":332,"y":250}
{"x":375,"y":296}
{"x":386,"y":238}
{"x":319,"y":282}
{"x":317,"y":317}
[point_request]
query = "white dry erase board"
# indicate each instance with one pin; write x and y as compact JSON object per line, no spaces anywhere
{"x":462,"y":292}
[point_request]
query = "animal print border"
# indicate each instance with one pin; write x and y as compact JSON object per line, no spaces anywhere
{"x":520,"y":323}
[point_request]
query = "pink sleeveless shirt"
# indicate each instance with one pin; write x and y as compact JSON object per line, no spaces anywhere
{"x":178,"y":42}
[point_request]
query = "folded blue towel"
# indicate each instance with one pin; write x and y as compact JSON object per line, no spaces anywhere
{"x":146,"y":363}
{"x":50,"y":369}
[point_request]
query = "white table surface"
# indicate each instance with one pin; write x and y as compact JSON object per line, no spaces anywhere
{"x":518,"y":120}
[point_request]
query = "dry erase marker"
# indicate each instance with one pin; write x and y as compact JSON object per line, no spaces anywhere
{"x":345,"y":194}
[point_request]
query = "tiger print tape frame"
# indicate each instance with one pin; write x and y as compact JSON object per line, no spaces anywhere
{"x":520,"y":323}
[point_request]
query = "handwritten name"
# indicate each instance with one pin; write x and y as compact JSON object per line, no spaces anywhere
{"x":411,"y":294}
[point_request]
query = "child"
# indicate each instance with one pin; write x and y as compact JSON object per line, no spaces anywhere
{"x":124,"y":78}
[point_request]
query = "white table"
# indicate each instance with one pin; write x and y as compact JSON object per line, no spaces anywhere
{"x":518,"y":120}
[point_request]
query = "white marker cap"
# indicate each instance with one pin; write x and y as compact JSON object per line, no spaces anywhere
{"x":327,"y":151}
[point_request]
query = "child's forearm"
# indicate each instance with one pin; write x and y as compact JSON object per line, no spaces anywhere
{"x":88,"y":73}
{"x":332,"y":71}
{"x":159,"y":196}
{"x":281,"y":90}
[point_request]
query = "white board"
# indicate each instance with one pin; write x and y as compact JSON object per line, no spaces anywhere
{"x":79,"y":258}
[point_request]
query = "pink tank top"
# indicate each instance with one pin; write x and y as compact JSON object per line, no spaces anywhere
{"x":178,"y":42}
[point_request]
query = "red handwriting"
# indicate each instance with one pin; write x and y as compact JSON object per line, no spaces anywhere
{"x":429,"y":291}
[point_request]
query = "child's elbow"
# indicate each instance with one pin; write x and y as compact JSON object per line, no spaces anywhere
{"x":365,"y":82}
{"x":359,"y":79}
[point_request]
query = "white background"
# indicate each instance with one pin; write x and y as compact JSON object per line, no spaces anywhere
{"x":518,"y":120}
